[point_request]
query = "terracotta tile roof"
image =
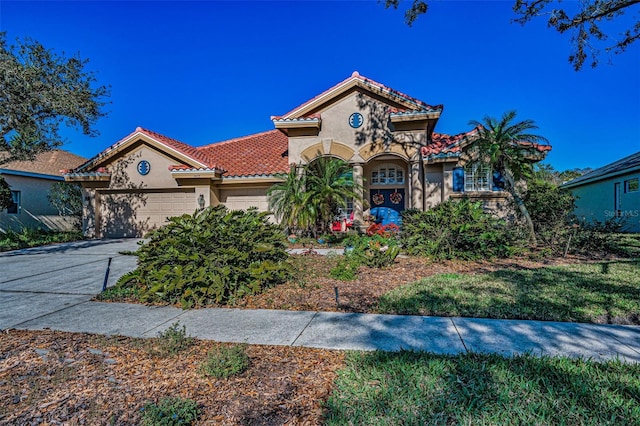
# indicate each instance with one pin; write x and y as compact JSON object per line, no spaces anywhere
{"x":443,"y":145}
{"x":47,"y":163}
{"x":181,"y":147}
{"x":259,"y":154}
{"x":417,"y":105}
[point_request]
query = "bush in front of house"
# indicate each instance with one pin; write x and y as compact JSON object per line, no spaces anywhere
{"x":458,"y":230}
{"x":213,"y":256}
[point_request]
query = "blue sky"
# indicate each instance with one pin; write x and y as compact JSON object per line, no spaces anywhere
{"x":205,"y":71}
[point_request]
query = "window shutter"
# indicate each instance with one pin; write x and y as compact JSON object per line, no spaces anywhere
{"x":458,"y":179}
{"x":498,"y":181}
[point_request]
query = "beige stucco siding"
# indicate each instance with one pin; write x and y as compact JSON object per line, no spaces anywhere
{"x":335,"y":129}
{"x":35,"y":209}
{"x":125,"y":169}
{"x":595,"y":201}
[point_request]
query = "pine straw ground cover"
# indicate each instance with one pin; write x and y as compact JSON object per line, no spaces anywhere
{"x":49,"y":378}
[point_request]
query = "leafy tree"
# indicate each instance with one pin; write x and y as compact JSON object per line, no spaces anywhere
{"x":289,"y":202}
{"x":510,"y":149}
{"x":584,"y":19}
{"x":67,"y":199}
{"x":329,"y":185}
{"x":546,"y":173}
{"x":39,"y":91}
{"x":5,"y":194}
{"x":311,"y":196}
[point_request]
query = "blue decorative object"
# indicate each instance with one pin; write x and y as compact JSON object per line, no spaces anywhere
{"x":356,"y":120}
{"x":144,"y":167}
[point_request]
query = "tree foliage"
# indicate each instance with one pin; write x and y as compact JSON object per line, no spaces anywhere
{"x":39,"y":91}
{"x":584,"y":19}
{"x":67,"y":199}
{"x":5,"y":194}
{"x":510,"y":148}
{"x":310,"y":196}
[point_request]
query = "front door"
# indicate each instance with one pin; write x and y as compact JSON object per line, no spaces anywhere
{"x":388,"y":198}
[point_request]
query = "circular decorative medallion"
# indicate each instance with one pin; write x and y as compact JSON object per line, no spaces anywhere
{"x":377,"y":199}
{"x":396,"y":198}
{"x":355,"y":120}
{"x":144,"y":167}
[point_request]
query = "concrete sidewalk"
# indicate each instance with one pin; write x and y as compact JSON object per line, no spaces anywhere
{"x":51,"y":287}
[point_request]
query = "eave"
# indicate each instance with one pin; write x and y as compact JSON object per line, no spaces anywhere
{"x":296,"y":123}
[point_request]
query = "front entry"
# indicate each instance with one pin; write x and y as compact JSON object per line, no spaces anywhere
{"x":387,"y":204}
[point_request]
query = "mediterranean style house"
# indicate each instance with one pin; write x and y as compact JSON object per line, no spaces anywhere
{"x":387,"y":136}
{"x":30,"y":182}
{"x":611,"y":191}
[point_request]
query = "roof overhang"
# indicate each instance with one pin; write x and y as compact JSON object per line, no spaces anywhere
{"x":600,"y":177}
{"x":136,"y":136}
{"x":88,"y":177}
{"x":296,"y":123}
{"x":31,"y":174}
{"x":401,"y":117}
{"x":196,"y":173}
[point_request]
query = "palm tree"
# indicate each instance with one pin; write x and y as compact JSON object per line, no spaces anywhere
{"x":329,"y":184}
{"x":289,"y":202}
{"x":510,"y":149}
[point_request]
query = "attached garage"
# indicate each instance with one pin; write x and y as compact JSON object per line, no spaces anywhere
{"x":133,"y":213}
{"x":242,"y":199}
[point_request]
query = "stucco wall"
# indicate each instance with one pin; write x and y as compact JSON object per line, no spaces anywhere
{"x":595,"y":201}
{"x":35,"y":209}
{"x":335,"y":128}
{"x":125,"y":174}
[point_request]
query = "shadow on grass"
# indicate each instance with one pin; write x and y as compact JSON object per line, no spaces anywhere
{"x":423,"y":388}
{"x":577,"y":293}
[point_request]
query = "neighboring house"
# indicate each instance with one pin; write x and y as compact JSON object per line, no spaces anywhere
{"x":610,"y":192}
{"x":30,"y":182}
{"x":388,"y":138}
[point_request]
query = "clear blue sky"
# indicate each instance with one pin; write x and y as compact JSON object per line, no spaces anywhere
{"x":207,"y":71}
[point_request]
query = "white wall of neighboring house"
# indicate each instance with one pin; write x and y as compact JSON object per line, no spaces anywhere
{"x":35,"y":210}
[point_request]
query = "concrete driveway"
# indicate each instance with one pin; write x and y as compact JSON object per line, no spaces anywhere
{"x":42,"y":280}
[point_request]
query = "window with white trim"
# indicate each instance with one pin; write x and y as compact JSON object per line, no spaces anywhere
{"x":477,"y":177}
{"x":387,"y":174}
{"x":14,"y":208}
{"x":631,"y":185}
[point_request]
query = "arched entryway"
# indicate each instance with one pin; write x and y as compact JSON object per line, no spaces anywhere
{"x":387,"y":189}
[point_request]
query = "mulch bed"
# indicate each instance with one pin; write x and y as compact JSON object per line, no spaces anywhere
{"x":314,"y":289}
{"x":57,"y":378}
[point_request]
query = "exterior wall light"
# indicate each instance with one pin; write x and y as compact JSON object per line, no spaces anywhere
{"x":201,"y":201}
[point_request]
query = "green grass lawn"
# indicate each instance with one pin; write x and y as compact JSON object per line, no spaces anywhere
{"x":580,"y":293}
{"x":409,"y":388}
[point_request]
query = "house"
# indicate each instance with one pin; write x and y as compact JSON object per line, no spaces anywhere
{"x":30,"y":182}
{"x":611,"y":191}
{"x":388,"y":137}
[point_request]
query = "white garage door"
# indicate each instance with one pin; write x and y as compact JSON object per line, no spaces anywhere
{"x":133,"y":214}
{"x":242,"y":199}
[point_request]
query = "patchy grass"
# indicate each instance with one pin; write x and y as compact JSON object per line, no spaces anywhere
{"x":577,"y":293}
{"x":26,"y":238}
{"x":419,"y":388}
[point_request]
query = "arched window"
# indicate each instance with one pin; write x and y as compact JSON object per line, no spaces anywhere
{"x":387,"y":174}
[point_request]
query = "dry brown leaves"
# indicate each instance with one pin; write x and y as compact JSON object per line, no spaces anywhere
{"x":52,"y":378}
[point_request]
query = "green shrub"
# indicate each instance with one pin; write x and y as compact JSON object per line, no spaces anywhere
{"x":33,"y":237}
{"x":212,"y":256}
{"x":378,"y":250}
{"x":225,"y":361}
{"x":458,"y":229}
{"x":594,"y":238}
{"x":173,"y":340}
{"x":170,"y":412}
{"x":346,"y":268}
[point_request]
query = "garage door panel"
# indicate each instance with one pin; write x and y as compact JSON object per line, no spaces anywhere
{"x":134,"y":214}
